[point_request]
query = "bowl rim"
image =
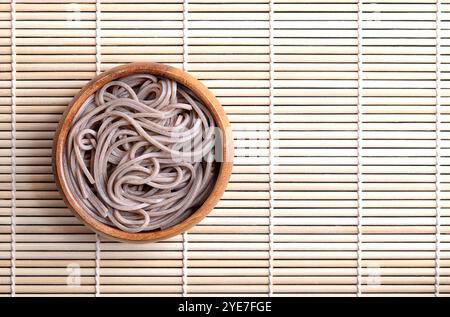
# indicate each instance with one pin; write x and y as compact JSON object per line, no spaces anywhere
{"x":160,"y":70}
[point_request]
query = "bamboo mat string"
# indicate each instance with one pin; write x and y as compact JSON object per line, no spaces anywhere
{"x":13,"y":148}
{"x":185,"y":261}
{"x":185,"y":34}
{"x":185,"y":68}
{"x":438,"y":147}
{"x":359,"y":148}
{"x":97,"y":265}
{"x":98,"y":60}
{"x":271,"y":141}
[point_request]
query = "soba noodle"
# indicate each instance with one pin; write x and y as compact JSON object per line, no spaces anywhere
{"x":140,"y":154}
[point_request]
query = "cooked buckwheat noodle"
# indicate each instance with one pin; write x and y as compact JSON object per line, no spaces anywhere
{"x":140,"y":154}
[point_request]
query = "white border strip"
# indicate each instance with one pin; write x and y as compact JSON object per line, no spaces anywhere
{"x":438,"y":148}
{"x":271,"y":141}
{"x":185,"y":34}
{"x":185,"y":255}
{"x":13,"y":148}
{"x":98,"y":64}
{"x":359,"y":142}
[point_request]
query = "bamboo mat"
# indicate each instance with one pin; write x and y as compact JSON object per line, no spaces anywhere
{"x":340,"y":112}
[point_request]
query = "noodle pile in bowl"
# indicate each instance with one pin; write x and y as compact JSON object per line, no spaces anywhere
{"x":140,"y":154}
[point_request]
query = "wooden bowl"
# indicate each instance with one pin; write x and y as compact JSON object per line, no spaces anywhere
{"x":160,"y":70}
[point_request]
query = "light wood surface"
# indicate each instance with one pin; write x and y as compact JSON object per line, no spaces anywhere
{"x":315,"y":102}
